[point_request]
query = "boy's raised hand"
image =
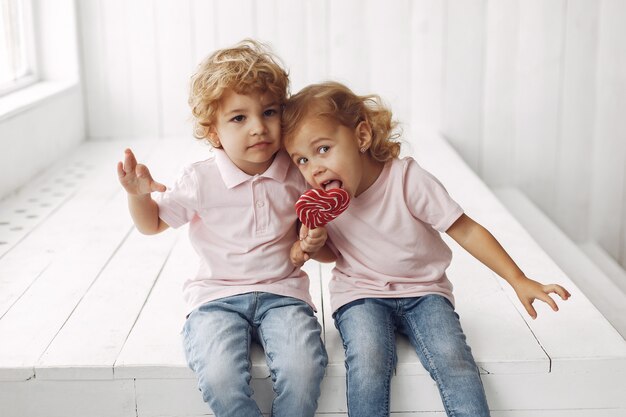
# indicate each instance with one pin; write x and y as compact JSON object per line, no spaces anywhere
{"x":529,"y":290}
{"x":136,"y":178}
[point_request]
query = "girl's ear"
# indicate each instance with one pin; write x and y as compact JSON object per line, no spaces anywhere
{"x":363,"y":134}
{"x":213,"y":139}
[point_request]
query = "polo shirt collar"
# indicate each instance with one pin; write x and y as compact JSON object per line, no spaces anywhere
{"x":233,"y":176}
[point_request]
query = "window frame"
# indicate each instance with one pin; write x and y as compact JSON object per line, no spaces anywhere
{"x":30,"y":46}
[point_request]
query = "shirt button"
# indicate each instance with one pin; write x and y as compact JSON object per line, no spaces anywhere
{"x":260,"y":203}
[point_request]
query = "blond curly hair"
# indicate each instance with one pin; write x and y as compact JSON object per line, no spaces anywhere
{"x":248,"y":66}
{"x":337,"y":102}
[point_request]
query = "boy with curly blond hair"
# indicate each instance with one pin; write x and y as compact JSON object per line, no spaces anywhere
{"x":239,"y":206}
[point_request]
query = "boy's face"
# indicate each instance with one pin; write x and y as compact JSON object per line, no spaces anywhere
{"x":327,"y":154}
{"x":247,"y":127}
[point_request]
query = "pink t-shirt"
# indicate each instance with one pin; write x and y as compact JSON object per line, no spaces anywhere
{"x":241,"y":226}
{"x":388,"y":241}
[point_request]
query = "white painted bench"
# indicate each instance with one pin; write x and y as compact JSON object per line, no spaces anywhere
{"x":91,"y":310}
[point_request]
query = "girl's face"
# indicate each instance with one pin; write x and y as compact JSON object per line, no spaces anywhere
{"x":247,"y":127}
{"x":328,"y":155}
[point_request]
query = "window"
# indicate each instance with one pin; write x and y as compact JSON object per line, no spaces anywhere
{"x":17,"y":54}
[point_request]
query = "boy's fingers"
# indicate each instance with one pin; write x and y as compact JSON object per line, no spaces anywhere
{"x":157,"y":186}
{"x":142,"y":171}
{"x":120,"y":170}
{"x":129,"y":160}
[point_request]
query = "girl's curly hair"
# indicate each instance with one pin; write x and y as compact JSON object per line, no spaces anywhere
{"x":335,"y":101}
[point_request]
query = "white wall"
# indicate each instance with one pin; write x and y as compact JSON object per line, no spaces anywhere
{"x":532,"y":93}
{"x":39,"y":124}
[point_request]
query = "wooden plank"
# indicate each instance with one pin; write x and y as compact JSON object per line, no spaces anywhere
{"x":609,"y":266}
{"x":176,"y":64}
{"x":234,"y":21}
{"x":266,"y":22}
{"x":461,"y":119}
{"x":558,"y":334}
{"x":389,"y":56}
{"x":594,"y":391}
{"x":157,"y":398}
{"x":36,"y":398}
{"x":117,"y":59}
{"x":94,"y":79}
{"x":51,"y":299}
{"x":154,"y":397}
{"x":143,"y":79}
{"x":501,"y":49}
{"x":33,"y":321}
{"x":154,"y":347}
{"x":348,"y":60}
{"x":605,"y":295}
{"x":607,"y":221}
{"x":427,"y":37}
{"x":539,"y":83}
{"x":65,"y":199}
{"x":87,"y":346}
{"x":84,"y":351}
{"x":317,"y":40}
{"x":289,"y":39}
{"x":204,"y":34}
{"x":297,"y":33}
{"x":25,"y":155}
{"x":572,"y":184}
{"x":501,"y":341}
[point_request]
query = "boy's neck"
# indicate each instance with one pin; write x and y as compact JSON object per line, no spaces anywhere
{"x":253,"y":169}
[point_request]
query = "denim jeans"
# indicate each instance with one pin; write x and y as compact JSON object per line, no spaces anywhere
{"x":217,"y":339}
{"x":367,"y":328}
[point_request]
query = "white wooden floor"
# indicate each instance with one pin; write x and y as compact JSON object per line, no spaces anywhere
{"x":90,"y":310}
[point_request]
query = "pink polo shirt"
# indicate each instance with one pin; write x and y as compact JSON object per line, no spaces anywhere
{"x":241,"y":226}
{"x":388,"y":240}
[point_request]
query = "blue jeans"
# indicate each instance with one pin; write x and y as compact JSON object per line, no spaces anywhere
{"x":217,"y":339}
{"x":367,"y":328}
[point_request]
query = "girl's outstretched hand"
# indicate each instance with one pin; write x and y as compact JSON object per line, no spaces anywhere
{"x":528,"y":291}
{"x":312,"y":240}
{"x":136,"y":178}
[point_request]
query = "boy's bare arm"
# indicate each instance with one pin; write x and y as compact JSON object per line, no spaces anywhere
{"x":481,"y":244}
{"x":138,"y":183}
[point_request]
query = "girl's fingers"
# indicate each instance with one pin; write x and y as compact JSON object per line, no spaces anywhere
{"x":562,"y":292}
{"x":557,"y":289}
{"x":548,"y":300}
{"x":304,"y":232}
{"x":317,"y":233}
{"x":530,"y":309}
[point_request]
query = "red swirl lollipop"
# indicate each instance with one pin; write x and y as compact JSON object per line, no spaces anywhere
{"x":315,"y":208}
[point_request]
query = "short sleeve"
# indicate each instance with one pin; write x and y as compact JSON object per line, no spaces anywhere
{"x":178,"y":204}
{"x":427,"y":199}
